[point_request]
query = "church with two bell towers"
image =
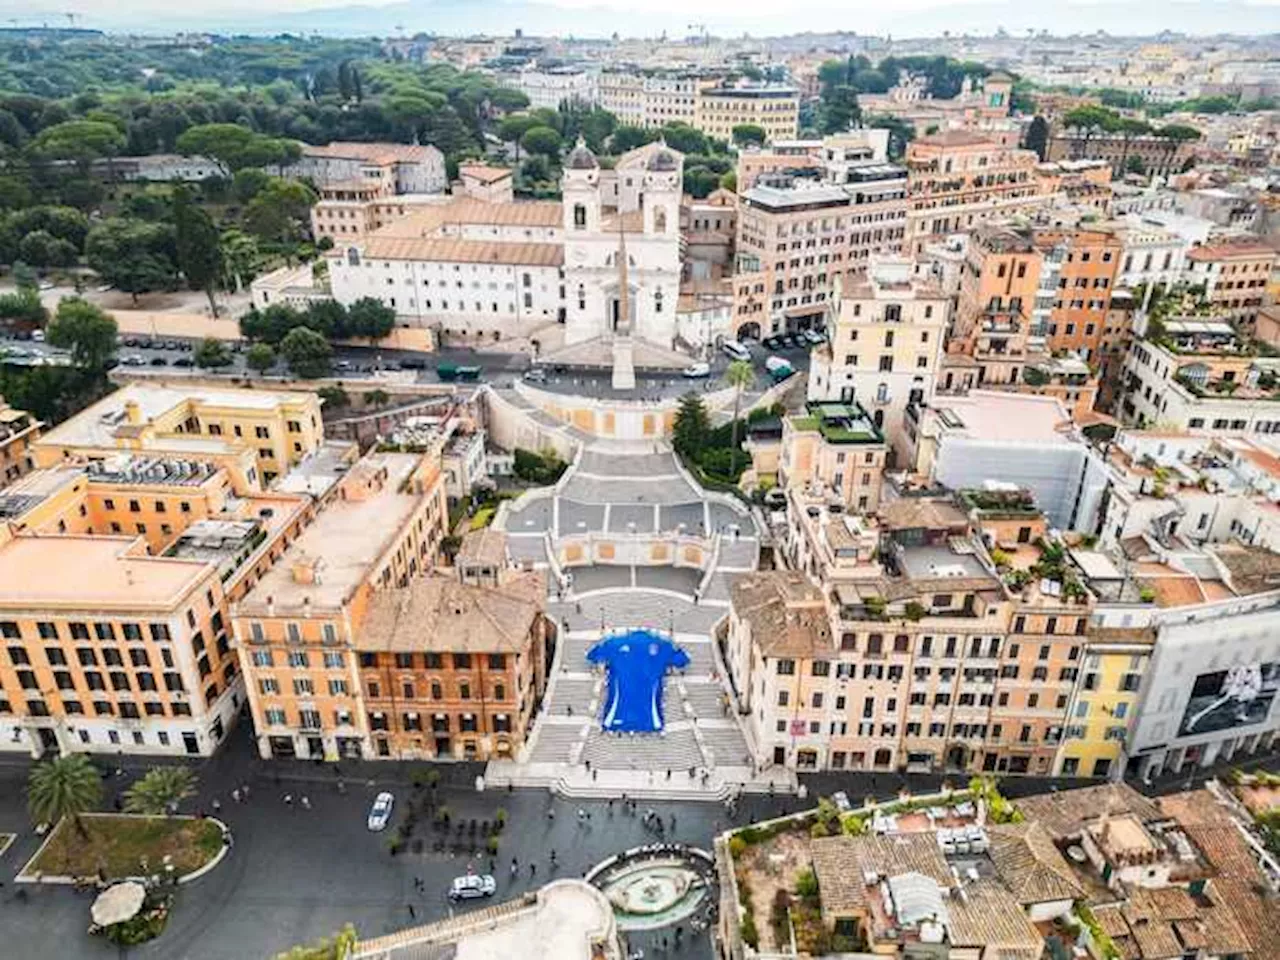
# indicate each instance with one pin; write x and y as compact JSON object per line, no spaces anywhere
{"x":622,"y":245}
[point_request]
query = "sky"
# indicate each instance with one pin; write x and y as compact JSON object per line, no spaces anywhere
{"x":601,"y":17}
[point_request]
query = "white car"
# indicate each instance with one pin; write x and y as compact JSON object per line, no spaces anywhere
{"x":735,"y":351}
{"x":472,"y":887}
{"x":697,"y":370}
{"x":380,"y":812}
{"x":814,"y":336}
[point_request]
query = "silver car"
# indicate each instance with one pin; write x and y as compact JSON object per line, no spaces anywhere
{"x":380,"y":812}
{"x":472,"y":887}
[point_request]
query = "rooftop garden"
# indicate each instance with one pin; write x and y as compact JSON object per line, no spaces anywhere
{"x":839,"y":423}
{"x":1019,"y":502}
{"x":777,"y":890}
{"x":1051,"y":565}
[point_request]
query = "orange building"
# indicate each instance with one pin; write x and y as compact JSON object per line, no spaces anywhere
{"x":1088,"y":260}
{"x":1235,"y":277}
{"x":959,"y":179}
{"x":297,"y":630}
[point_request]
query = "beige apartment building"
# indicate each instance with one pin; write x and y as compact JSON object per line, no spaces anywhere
{"x":257,"y":435}
{"x":297,"y":630}
{"x":900,"y":642}
{"x":18,"y":430}
{"x":958,"y":179}
{"x":833,"y":453}
{"x":775,"y":109}
{"x":884,"y":347}
{"x":795,"y":241}
{"x":1235,"y":276}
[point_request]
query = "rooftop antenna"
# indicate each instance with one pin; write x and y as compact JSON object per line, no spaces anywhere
{"x":71,"y":19}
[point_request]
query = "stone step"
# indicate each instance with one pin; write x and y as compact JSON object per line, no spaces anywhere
{"x":604,"y":790}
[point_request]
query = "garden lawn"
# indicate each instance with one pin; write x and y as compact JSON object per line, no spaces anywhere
{"x":117,"y":844}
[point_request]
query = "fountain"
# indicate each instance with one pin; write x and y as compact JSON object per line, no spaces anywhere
{"x":656,"y":886}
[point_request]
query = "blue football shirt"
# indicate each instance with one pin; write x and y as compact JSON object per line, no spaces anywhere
{"x":636,"y":663}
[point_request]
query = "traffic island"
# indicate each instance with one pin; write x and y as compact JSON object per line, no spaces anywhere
{"x":108,"y":847}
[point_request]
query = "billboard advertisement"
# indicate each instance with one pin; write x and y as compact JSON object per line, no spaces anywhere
{"x":1236,"y":697}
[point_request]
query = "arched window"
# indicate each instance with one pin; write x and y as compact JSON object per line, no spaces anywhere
{"x":660,"y":220}
{"x":582,"y":297}
{"x":353,"y":256}
{"x":657,"y":301}
{"x":579,"y":217}
{"x":882,"y":393}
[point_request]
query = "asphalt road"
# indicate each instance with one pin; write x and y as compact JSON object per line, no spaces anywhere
{"x":294,"y":875}
{"x":173,"y":355}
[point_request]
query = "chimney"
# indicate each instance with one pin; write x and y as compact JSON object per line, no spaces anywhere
{"x":271,"y":606}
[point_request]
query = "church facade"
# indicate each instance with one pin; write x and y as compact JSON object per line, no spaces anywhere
{"x":603,"y":262}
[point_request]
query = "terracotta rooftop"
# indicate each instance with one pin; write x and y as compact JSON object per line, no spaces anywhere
{"x":439,"y":613}
{"x":1245,"y":249}
{"x":430,"y":218}
{"x":989,"y":916}
{"x":786,"y":613}
{"x":1027,"y":860}
{"x":1250,"y":569}
{"x":956,"y":138}
{"x":486,"y":546}
{"x":929,"y":513}
{"x":449,"y":250}
{"x":842,"y":863}
{"x":483,"y":172}
{"x":1065,"y":813}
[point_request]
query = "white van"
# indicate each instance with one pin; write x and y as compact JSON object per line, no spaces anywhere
{"x":735,"y":351}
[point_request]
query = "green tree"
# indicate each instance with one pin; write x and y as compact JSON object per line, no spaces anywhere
{"x":334,"y":397}
{"x":80,"y":141}
{"x":1037,"y":137}
{"x":699,"y":182}
{"x":740,"y":376}
{"x":280,"y":211}
{"x":1135,"y":164}
{"x":749,"y":133}
{"x":134,"y":255}
{"x":371,"y":318}
{"x":686,"y":139}
{"x":40,"y":248}
{"x":24,"y":278}
{"x":307,"y":353}
{"x":541,"y":140}
{"x":160,"y":790}
{"x":337,"y":947}
{"x":24,"y":306}
{"x":66,"y":786}
{"x":260,"y":357}
{"x":729,"y":181}
{"x":376,"y":398}
{"x":240,"y":259}
{"x":691,"y":425}
{"x":626,"y":138}
{"x":198,"y":246}
{"x":211,"y":354}
{"x":248,"y":183}
{"x":330,"y":319}
{"x":236,"y":147}
{"x":87,"y":331}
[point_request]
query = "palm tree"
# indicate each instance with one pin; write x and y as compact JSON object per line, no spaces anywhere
{"x":65,"y":786}
{"x":740,"y":375}
{"x":161,"y":789}
{"x":376,"y":398}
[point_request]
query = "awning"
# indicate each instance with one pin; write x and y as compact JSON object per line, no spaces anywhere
{"x":118,"y":903}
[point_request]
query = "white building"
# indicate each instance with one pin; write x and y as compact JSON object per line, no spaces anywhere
{"x":1151,"y":253}
{"x":412,"y":168}
{"x":540,"y":270}
{"x":550,"y":88}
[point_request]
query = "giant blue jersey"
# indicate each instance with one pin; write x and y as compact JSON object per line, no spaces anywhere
{"x":636,"y":663}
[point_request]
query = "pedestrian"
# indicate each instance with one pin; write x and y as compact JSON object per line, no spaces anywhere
{"x":288,"y":799}
{"x":245,"y":791}
{"x":595,"y":774}
{"x":306,"y":802}
{"x":551,"y":813}
{"x":342,"y":785}
{"x":533,"y":870}
{"x":217,"y":805}
{"x":413,"y":914}
{"x":553,"y":855}
{"x":569,"y":710}
{"x":235,"y":794}
{"x":668,"y":773}
{"x":673,"y":821}
{"x":493,"y":865}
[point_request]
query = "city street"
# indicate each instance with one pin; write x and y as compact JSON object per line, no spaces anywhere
{"x":294,"y":875}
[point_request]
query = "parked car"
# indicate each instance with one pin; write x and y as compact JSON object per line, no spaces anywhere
{"x":134,"y":360}
{"x":184,"y":362}
{"x":536,"y":375}
{"x":46,"y":284}
{"x":814,"y":336}
{"x":413,"y":363}
{"x":159,"y":362}
{"x":697,"y":371}
{"x":472,"y":887}
{"x":735,"y":351}
{"x":841,"y":801}
{"x":788,"y":340}
{"x":773,"y":343}
{"x":129,"y":341}
{"x":380,"y":812}
{"x":37,"y":336}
